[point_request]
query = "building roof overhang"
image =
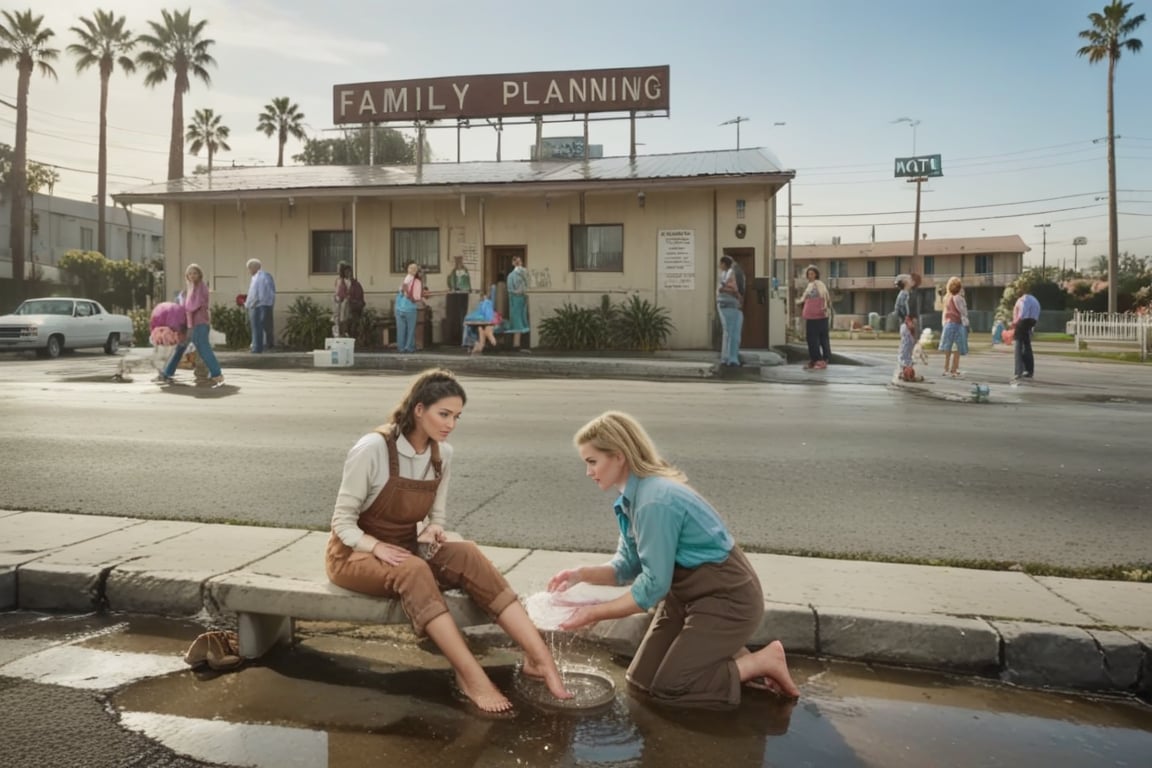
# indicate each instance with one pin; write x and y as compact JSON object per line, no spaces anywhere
{"x":685,"y":170}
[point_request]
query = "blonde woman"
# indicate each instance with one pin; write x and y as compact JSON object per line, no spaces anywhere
{"x":816,"y":309}
{"x":196,"y":309}
{"x":680,"y":559}
{"x":954,"y":338}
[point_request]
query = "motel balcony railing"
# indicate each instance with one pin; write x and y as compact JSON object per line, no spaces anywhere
{"x":999,"y":279}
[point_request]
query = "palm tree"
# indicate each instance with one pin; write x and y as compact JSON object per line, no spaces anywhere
{"x":175,"y":47}
{"x":104,"y":42}
{"x":24,"y":41}
{"x":284,"y":120}
{"x":1107,"y":38}
{"x":205,"y":131}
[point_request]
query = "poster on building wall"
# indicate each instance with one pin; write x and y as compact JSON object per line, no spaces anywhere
{"x":471,"y":254}
{"x":676,"y":259}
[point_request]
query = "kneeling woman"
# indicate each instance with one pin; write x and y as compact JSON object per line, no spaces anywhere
{"x":394,"y":478}
{"x":674,"y":548}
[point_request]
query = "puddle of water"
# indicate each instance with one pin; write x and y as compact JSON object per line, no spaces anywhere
{"x":351,"y":701}
{"x":369,"y":695}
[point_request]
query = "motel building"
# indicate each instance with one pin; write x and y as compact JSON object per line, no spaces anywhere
{"x":861,"y":276}
{"x":653,"y":226}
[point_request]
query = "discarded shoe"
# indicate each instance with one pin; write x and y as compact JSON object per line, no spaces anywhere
{"x":219,"y":649}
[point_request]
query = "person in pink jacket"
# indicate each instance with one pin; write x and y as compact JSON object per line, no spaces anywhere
{"x":196,"y":311}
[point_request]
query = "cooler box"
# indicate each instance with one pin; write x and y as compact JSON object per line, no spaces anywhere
{"x":337,"y":353}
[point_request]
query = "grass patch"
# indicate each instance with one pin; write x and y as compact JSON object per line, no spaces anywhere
{"x":1138,"y":572}
{"x":1053,"y":336}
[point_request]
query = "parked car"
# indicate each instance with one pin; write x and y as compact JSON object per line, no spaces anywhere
{"x":51,"y":326}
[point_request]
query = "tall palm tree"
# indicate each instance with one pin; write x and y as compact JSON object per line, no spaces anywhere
{"x":284,"y":120}
{"x":104,"y":43}
{"x":23,"y":40}
{"x":176,"y":47}
{"x":1108,"y":37}
{"x":205,"y":131}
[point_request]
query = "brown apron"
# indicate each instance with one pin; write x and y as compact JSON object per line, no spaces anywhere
{"x":708,"y":615}
{"x":392,"y":517}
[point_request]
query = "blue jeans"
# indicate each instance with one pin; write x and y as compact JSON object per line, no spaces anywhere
{"x":260,"y":320}
{"x":199,"y":337}
{"x":406,"y":330}
{"x":732,"y":321}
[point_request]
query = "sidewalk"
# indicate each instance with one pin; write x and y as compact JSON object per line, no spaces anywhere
{"x":859,"y":362}
{"x":1036,"y":631}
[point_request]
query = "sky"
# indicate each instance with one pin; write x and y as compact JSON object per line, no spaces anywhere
{"x":994,"y":86}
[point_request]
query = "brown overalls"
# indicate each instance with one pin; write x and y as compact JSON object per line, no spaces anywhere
{"x":392,"y":518}
{"x":708,"y":615}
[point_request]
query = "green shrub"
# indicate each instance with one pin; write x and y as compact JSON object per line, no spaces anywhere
{"x":641,"y":325}
{"x":572,"y":328}
{"x":232,"y":321}
{"x":368,"y":331}
{"x":308,"y":324}
{"x":141,"y":327}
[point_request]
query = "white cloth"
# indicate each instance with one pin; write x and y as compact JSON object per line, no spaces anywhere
{"x":366,"y":472}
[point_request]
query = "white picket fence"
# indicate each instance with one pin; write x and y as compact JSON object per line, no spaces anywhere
{"x":1106,"y":328}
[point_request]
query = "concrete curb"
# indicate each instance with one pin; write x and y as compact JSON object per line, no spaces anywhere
{"x":177,"y":569}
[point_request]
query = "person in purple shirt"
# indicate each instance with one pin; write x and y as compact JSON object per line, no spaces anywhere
{"x":680,"y":560}
{"x":196,"y":310}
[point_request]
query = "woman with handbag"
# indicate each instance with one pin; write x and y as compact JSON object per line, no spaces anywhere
{"x":816,"y":309}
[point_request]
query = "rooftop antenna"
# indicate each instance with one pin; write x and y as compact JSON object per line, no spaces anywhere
{"x":736,"y":121}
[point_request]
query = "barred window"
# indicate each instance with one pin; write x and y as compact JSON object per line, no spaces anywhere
{"x":419,"y":245}
{"x":597,"y":248}
{"x":329,"y":248}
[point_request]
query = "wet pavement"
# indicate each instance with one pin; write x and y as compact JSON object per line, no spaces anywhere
{"x":113,"y":690}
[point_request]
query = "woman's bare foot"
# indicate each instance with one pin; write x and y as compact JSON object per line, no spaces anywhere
{"x":548,"y":674}
{"x":484,"y":694}
{"x":768,"y":668}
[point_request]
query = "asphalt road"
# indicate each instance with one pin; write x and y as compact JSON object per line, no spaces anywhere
{"x":824,"y":469}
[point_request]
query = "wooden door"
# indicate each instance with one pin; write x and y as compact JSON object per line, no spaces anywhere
{"x":755,"y":332}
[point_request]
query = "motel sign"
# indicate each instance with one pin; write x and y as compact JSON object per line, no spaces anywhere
{"x":925,"y":165}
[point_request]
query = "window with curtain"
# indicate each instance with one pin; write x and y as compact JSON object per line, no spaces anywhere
{"x":597,"y":248}
{"x":419,"y":245}
{"x":983,"y":264}
{"x":329,"y":248}
{"x":929,"y":265}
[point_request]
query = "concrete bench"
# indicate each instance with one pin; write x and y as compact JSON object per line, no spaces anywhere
{"x":270,"y":594}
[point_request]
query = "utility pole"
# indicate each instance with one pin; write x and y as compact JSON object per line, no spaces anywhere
{"x":1044,"y":250}
{"x":736,"y":121}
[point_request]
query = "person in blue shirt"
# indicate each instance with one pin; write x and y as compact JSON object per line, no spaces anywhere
{"x":681,"y":560}
{"x":1025,"y":313}
{"x":260,"y":302}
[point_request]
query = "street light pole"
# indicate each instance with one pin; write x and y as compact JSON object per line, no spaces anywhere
{"x":1076,"y":243}
{"x":788,"y":271}
{"x":1044,"y":250}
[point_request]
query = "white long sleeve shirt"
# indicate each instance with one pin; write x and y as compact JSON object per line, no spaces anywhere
{"x":366,"y":472}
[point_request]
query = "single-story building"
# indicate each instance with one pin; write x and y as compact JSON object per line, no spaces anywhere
{"x":655,"y":226}
{"x":860,"y":276}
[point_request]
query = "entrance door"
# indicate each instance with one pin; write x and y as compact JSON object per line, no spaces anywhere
{"x":754,"y":335}
{"x":497,"y":264}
